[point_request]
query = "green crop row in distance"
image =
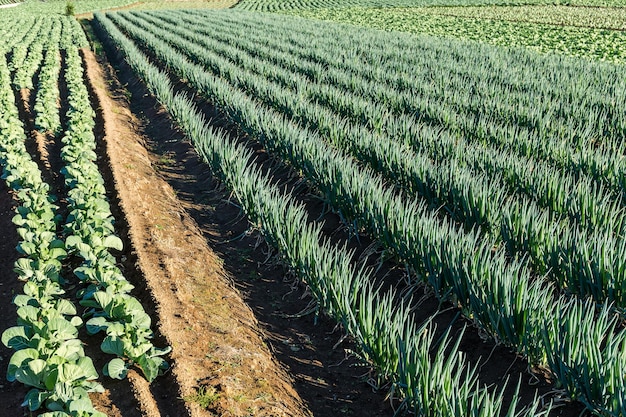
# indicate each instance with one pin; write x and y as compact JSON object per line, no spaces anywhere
{"x":600,"y":44}
{"x":58,"y":7}
{"x":276,"y":5}
{"x":589,"y":17}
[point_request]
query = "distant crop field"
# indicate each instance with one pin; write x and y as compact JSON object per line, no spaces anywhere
{"x":58,"y":7}
{"x":80,"y":7}
{"x":586,"y":17}
{"x":579,"y":32}
{"x":276,"y":5}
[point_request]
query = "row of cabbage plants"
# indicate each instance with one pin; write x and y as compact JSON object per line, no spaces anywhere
{"x":442,"y":383}
{"x":46,"y":108}
{"x":90,"y":235}
{"x":503,"y":295}
{"x":562,"y":246}
{"x":49,"y":356}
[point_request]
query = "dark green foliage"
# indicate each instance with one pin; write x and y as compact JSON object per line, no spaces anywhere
{"x":69,"y":9}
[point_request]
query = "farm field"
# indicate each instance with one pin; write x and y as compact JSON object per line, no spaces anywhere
{"x":574,"y":31}
{"x":246,"y":213}
{"x":585,"y":17}
{"x":278,"y":5}
{"x":298,"y":104}
{"x":56,"y":7}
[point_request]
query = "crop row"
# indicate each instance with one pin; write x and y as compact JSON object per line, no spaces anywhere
{"x":502,"y":295}
{"x":475,"y":198}
{"x":381,"y":323}
{"x":46,"y":109}
{"x":25,"y":69}
{"x":90,"y":235}
{"x":49,"y":356}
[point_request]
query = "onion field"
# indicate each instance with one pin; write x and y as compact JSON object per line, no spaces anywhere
{"x":496,"y":176}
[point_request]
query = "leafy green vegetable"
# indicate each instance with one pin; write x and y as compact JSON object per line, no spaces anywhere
{"x":599,"y":44}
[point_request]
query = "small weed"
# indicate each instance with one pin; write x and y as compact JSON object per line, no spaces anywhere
{"x":205,"y":397}
{"x":166,"y":160}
